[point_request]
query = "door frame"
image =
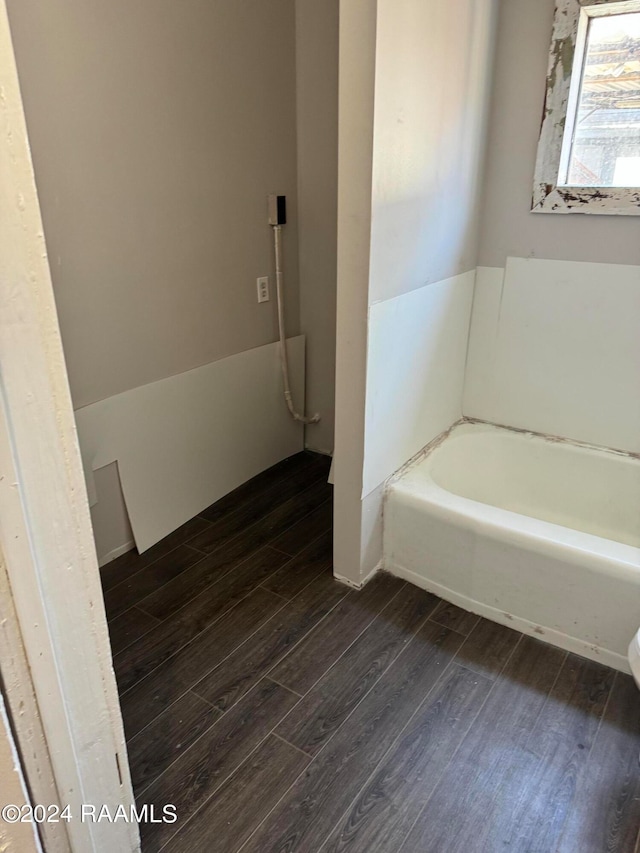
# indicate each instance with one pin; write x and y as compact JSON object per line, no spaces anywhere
{"x":16,"y":835}
{"x":19,"y":701}
{"x":45,"y":527}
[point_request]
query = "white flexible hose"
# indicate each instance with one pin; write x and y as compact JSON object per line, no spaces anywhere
{"x":277,"y":239}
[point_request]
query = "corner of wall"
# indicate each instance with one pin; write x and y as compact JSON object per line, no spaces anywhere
{"x":317,"y":27}
{"x":357,"y":57}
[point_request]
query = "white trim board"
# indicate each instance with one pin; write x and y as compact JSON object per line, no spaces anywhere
{"x":45,"y":530}
{"x":183,"y":442}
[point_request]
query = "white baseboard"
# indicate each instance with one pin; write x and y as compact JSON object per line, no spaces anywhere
{"x":116,"y":552}
{"x":547,"y":635}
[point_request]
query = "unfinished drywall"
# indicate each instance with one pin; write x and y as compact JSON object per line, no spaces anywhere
{"x":554,"y":348}
{"x":317,"y":125}
{"x":509,"y":229}
{"x":157,"y":130}
{"x":432,"y":71}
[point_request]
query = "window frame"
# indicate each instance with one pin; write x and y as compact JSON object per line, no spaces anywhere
{"x":564,"y":77}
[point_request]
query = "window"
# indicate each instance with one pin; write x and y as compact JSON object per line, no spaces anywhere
{"x":589,"y":150}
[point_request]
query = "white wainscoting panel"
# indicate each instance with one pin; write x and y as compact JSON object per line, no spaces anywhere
{"x":555,"y":348}
{"x":185,"y":441}
{"x":415,"y":372}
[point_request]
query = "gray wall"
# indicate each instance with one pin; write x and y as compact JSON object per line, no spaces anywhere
{"x":157,"y":130}
{"x":317,"y":122}
{"x":508,"y":226}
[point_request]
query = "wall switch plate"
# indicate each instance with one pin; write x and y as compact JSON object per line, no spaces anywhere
{"x":263,"y":288}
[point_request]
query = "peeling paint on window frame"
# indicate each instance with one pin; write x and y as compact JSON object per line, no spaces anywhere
{"x":568,"y":38}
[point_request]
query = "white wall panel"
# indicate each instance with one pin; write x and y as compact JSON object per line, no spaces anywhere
{"x":555,"y":348}
{"x":182,"y":443}
{"x":415,"y":372}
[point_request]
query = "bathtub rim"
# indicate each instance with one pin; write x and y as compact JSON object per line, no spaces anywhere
{"x":417,"y":473}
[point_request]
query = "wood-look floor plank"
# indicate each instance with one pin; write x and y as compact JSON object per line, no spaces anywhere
{"x":175,"y":594}
{"x":384,"y":811}
{"x":309,"y":527}
{"x":459,"y":815}
{"x":488,"y":648}
{"x":260,"y":505}
{"x":226,"y":684}
{"x":322,"y":647}
{"x":119,"y":598}
{"x":120,"y":569}
{"x":537,"y":798}
{"x":169,"y":636}
{"x":320,"y":714}
{"x":231,"y":815}
{"x":313,"y":805}
{"x":300,"y":570}
{"x":200,"y":770}
{"x":605,"y":813}
{"x":281,"y":517}
{"x":129,"y":627}
{"x":167,"y":737}
{"x":455,"y":618}
{"x":311,"y":463}
{"x":149,"y":697}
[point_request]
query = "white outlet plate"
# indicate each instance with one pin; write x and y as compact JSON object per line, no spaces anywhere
{"x":262,"y":285}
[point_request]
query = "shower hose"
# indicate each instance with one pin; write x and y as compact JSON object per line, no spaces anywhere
{"x":284,"y":361}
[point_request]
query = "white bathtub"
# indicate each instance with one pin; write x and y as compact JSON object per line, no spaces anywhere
{"x":535,"y":533}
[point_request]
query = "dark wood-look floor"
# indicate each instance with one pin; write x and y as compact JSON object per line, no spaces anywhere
{"x":281,"y":711}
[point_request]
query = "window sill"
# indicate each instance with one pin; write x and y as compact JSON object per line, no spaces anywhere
{"x":618,"y":201}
